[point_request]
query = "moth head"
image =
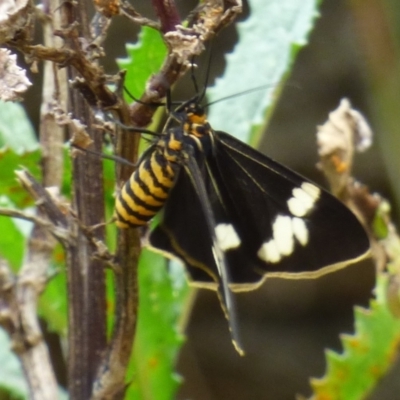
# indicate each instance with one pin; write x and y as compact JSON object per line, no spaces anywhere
{"x":195,"y":113}
{"x":195,"y":122}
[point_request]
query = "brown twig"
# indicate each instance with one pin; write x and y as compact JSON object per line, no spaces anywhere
{"x":18,"y":317}
{"x":110,"y":380}
{"x":339,"y":138}
{"x":167,"y":13}
{"x":135,"y":17}
{"x":85,"y":272}
{"x":19,"y":296}
{"x":183,"y":44}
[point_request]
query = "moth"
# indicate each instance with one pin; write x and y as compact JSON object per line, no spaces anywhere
{"x":232,"y":215}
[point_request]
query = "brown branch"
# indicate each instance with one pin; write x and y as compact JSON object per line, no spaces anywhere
{"x":33,"y":274}
{"x":19,"y":296}
{"x":10,"y":212}
{"x":44,"y":201}
{"x":110,"y":381}
{"x":18,"y":317}
{"x":79,"y":57}
{"x":60,"y":234}
{"x":167,"y":13}
{"x":339,"y":138}
{"x":108,"y":8}
{"x":85,"y":272}
{"x":135,"y":17}
{"x":183,"y":44}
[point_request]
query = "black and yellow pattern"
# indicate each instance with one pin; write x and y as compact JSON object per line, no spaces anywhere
{"x":233,"y":215}
{"x":148,"y":187}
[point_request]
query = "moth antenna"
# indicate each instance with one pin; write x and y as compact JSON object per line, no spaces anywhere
{"x":126,"y":90}
{"x":193,"y":77}
{"x":169,"y":102}
{"x":138,"y":130}
{"x":255,"y":89}
{"x":207,"y":77}
{"x":104,"y":156}
{"x":247,"y":91}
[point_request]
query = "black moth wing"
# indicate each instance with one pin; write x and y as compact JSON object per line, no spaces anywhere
{"x":249,"y":191}
{"x":186,"y":231}
{"x":254,"y":191}
{"x":248,"y":194}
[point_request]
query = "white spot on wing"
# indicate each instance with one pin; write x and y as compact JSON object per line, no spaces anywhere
{"x":283,"y":235}
{"x":312,"y":190}
{"x":286,"y":231}
{"x":304,"y":199}
{"x":296,"y":207}
{"x":300,"y":230}
{"x":227,"y":237}
{"x":269,"y":252}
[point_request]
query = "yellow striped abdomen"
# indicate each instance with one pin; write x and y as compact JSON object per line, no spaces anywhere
{"x":146,"y":191}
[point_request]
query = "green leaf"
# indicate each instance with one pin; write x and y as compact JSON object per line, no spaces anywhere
{"x":162,"y":297}
{"x":10,"y":161}
{"x":367,"y":355}
{"x":268,"y":43}
{"x":52,"y":305}
{"x":16,"y":131}
{"x":143,"y":59}
{"x":13,"y":236}
{"x":11,"y":375}
{"x":380,"y":223}
{"x":12,"y":195}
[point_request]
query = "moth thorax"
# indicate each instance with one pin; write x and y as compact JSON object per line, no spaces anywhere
{"x":198,"y":118}
{"x":198,"y":130}
{"x":173,"y":147}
